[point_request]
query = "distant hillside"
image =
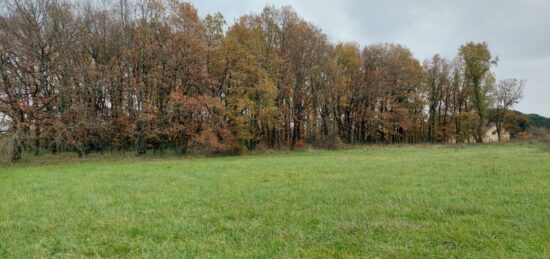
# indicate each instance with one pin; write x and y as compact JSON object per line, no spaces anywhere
{"x":534,"y":120}
{"x":538,"y":121}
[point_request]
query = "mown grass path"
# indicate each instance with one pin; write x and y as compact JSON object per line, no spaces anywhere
{"x":481,"y":201}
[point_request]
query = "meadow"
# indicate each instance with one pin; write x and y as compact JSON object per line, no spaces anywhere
{"x":489,"y":201}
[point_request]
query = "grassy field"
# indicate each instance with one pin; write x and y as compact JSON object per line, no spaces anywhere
{"x":479,"y":201}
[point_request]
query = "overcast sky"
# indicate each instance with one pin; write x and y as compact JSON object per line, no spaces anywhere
{"x":517,"y":31}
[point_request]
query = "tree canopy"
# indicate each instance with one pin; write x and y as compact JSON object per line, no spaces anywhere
{"x":152,"y":75}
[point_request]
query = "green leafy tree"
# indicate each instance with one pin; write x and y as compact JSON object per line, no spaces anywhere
{"x":477,"y":70}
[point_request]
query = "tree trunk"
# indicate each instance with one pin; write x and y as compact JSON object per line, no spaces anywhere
{"x":480,"y":130}
{"x":141,"y":144}
{"x":295,"y":134}
{"x":37,"y":141}
{"x":17,"y":150}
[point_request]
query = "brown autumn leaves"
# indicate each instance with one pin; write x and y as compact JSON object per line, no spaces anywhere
{"x":153,"y":75}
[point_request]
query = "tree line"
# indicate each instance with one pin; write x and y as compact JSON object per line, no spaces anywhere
{"x":151,"y":75}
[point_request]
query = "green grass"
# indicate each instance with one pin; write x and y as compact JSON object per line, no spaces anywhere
{"x":480,"y":201}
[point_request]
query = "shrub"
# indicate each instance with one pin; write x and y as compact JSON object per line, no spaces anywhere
{"x":300,"y":144}
{"x":7,"y":145}
{"x":541,"y":136}
{"x":330,"y":142}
